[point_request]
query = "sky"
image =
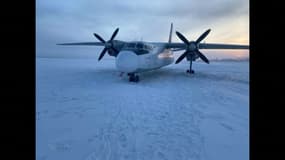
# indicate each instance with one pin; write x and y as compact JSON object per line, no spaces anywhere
{"x":67,"y":21}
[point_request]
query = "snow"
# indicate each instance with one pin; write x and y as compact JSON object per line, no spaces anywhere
{"x":86,"y":111}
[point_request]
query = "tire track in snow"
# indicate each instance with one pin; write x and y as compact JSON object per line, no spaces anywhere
{"x":106,"y":134}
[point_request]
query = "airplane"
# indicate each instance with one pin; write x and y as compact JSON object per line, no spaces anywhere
{"x":135,"y":57}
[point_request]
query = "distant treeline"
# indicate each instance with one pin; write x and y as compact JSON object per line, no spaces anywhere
{"x":228,"y":59}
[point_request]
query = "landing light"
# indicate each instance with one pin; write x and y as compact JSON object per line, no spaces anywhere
{"x":165,"y":55}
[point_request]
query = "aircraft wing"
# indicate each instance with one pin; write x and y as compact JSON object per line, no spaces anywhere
{"x":222,"y":46}
{"x":84,"y":44}
{"x":181,"y":46}
{"x":174,"y":46}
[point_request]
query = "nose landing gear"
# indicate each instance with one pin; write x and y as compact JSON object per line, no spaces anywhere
{"x":133,"y":77}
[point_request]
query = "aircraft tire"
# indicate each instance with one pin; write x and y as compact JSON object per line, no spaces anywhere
{"x":131,"y":79}
{"x":137,"y":78}
{"x":191,"y":72}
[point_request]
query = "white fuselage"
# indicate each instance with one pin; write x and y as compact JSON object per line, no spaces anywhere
{"x":129,"y":62}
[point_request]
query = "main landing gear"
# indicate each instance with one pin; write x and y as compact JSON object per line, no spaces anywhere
{"x":133,"y":77}
{"x":190,"y":70}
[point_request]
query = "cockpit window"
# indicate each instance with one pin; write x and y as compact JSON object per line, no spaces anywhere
{"x":131,"y":45}
{"x":139,"y":47}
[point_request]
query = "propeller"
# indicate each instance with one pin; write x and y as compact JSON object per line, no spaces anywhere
{"x":109,"y":46}
{"x":192,"y":47}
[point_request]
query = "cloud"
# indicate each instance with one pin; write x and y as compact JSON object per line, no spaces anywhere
{"x":73,"y":20}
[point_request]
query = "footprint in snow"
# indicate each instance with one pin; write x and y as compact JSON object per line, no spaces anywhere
{"x":91,"y":156}
{"x":228,"y":127}
{"x":161,"y":156}
{"x":42,"y":157}
{"x":123,"y":140}
{"x":62,"y":146}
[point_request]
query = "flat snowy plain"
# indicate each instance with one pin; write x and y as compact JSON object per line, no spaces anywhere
{"x":85,"y":111}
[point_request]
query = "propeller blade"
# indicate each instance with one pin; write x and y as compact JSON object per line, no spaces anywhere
{"x":99,"y":38}
{"x":204,"y":58}
{"x":203,"y":36}
{"x":182,"y":38}
{"x":102,"y":54}
{"x":180,"y":58}
{"x":114,"y":34}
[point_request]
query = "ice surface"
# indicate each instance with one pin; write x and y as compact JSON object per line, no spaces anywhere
{"x":85,"y":111}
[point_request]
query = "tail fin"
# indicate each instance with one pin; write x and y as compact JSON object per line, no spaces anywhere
{"x":170,"y":34}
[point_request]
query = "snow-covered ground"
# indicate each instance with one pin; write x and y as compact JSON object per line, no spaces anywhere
{"x":85,"y":111}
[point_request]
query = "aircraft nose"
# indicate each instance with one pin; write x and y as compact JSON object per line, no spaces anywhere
{"x":127,"y":61}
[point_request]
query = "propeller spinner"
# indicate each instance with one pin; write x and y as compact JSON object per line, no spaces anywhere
{"x":109,"y":46}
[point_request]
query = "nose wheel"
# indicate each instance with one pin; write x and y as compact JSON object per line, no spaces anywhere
{"x":133,"y":77}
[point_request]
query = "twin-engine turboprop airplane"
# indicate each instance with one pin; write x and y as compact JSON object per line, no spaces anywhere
{"x":138,"y":56}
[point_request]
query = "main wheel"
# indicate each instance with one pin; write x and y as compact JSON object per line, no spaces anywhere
{"x":137,"y":78}
{"x":190,"y":71}
{"x":131,"y":78}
